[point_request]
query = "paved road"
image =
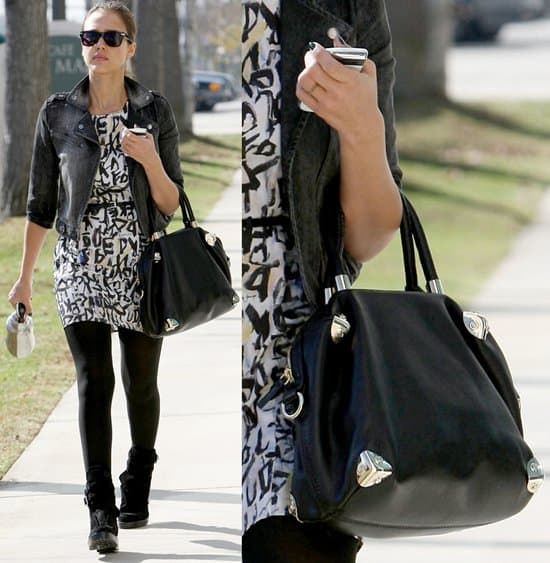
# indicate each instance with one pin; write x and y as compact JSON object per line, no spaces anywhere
{"x":516,"y":66}
{"x":223,"y":120}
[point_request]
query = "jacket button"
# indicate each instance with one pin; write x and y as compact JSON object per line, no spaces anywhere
{"x":80,"y":126}
{"x":149,"y":127}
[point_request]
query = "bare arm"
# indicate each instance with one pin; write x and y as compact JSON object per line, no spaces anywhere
{"x":347,"y":101}
{"x":368,"y":194}
{"x":21,"y":291}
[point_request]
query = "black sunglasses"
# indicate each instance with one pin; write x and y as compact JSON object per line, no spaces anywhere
{"x":111,"y":38}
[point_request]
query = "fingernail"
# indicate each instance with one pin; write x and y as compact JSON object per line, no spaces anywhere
{"x":312,"y":45}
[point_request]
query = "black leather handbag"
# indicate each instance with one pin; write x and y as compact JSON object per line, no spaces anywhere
{"x":184,"y":278}
{"x":407,"y":420}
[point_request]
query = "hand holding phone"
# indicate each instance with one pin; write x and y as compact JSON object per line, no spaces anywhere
{"x":351,"y":57}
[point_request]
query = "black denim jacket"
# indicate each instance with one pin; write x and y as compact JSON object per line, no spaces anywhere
{"x":311,"y":169}
{"x":66,"y":156}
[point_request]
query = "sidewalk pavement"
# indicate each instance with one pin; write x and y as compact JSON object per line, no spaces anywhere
{"x":195,"y":498}
{"x":516,"y":300}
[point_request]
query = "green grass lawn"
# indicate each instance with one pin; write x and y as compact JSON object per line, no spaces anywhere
{"x":31,"y":387}
{"x":475,"y":174}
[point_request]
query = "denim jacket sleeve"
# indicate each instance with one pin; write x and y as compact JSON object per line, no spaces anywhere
{"x":374,"y":33}
{"x":168,"y":148}
{"x":44,"y":175}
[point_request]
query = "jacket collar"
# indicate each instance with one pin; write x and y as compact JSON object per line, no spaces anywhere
{"x":138,"y":95}
{"x":303,"y":21}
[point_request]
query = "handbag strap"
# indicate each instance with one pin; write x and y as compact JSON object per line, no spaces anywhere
{"x":413,"y":240}
{"x":433,"y":282}
{"x":187,"y":215}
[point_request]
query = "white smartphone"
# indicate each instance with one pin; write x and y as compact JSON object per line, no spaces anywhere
{"x":352,"y":57}
{"x":141,"y":131}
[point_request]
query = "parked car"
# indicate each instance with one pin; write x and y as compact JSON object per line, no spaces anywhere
{"x":482,"y":19}
{"x":211,"y":88}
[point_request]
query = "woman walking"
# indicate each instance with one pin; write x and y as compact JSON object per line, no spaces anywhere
{"x":303,"y":172}
{"x":107,"y":189}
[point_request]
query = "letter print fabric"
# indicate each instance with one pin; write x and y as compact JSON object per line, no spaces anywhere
{"x":95,"y":277}
{"x":274,"y":304}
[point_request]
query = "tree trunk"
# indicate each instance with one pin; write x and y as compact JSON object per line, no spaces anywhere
{"x":26,"y":88}
{"x":58,"y":10}
{"x":173,"y":87}
{"x":157,"y":60}
{"x":422,"y":33}
{"x":149,"y":58}
{"x":189,"y":46}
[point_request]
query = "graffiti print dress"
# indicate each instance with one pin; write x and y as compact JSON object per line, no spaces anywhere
{"x":274,"y":304}
{"x":95,"y":277}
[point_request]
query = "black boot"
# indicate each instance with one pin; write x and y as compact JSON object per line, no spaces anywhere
{"x":135,"y":484}
{"x":100,"y":498}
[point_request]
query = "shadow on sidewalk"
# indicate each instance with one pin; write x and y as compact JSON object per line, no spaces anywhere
{"x":195,"y":528}
{"x":463,"y":543}
{"x":156,"y":494}
{"x":132,"y":557}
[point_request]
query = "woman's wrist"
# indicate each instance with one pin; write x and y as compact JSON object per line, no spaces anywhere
{"x":25,"y":279}
{"x":360,"y":145}
{"x":153,"y":163}
{"x":364,"y":133}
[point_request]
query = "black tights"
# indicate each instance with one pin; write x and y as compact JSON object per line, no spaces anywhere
{"x":90,"y":345}
{"x":281,"y":539}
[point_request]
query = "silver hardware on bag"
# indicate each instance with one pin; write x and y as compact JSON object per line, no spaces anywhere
{"x":372,"y":469}
{"x":293,"y":508}
{"x":171,"y":324}
{"x":235,"y":299}
{"x":210,"y":238}
{"x":535,"y":475}
{"x":476,"y":324}
{"x":435,"y":286}
{"x":342,"y":282}
{"x":294,"y":415}
{"x":339,"y":327}
{"x":287,"y":378}
{"x":158,"y":235}
{"x":329,"y":292}
{"x":157,"y":257}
